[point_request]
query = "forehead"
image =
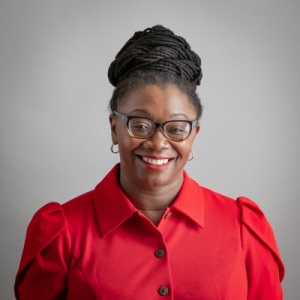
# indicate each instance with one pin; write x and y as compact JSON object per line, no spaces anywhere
{"x":157,"y":102}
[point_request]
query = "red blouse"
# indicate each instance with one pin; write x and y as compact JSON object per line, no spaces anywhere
{"x":98,"y":246}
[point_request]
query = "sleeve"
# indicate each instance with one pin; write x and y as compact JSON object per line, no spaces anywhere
{"x":43,"y":269}
{"x":265,"y":269}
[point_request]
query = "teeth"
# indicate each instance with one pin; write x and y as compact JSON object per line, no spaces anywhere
{"x":156,"y":162}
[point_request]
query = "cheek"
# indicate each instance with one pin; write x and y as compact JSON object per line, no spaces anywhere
{"x":128,"y":144}
{"x":184,"y":150}
{"x":123,"y":138}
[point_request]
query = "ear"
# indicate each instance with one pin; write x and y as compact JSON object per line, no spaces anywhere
{"x":194,"y":132}
{"x":113,"y":130}
{"x":197,"y":128}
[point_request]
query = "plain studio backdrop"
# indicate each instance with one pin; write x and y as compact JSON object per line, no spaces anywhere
{"x":54,"y":91}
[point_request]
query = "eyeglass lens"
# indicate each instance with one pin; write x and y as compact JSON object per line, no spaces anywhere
{"x":143,"y":128}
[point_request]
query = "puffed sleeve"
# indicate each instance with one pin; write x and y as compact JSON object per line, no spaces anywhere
{"x":264,"y":266}
{"x":44,"y":263}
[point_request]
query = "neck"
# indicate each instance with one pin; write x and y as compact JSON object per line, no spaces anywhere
{"x":150,"y":198}
{"x":151,"y":201}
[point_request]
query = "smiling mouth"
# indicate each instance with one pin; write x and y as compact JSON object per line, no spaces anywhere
{"x":155,"y":162}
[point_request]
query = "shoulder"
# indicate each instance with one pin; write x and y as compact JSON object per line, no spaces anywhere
{"x":257,"y":232}
{"x":216,"y":202}
{"x":46,"y":225}
{"x":253,"y":218}
{"x":51,"y":221}
{"x":210,"y":198}
{"x":48,"y":222}
{"x":47,"y":244}
{"x":217,"y":197}
{"x":79,"y":205}
{"x":80,"y":213}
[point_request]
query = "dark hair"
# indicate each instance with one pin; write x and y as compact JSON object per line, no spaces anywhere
{"x":156,"y":56}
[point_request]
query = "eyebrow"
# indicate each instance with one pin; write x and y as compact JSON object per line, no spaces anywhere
{"x":147,"y":112}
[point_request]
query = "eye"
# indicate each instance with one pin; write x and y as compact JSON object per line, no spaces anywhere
{"x":177,"y":128}
{"x":140,"y":124}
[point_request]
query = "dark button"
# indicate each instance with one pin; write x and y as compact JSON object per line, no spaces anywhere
{"x":163,"y":290}
{"x":160,"y":253}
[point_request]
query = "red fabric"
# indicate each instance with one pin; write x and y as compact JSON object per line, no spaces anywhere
{"x":98,"y":246}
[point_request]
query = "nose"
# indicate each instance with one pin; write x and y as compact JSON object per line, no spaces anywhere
{"x":157,"y":141}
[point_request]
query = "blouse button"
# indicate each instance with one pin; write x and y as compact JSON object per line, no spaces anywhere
{"x":163,"y":290}
{"x":168,"y":215}
{"x":160,"y":253}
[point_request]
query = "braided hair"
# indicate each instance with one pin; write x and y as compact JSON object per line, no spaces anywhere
{"x":156,"y":56}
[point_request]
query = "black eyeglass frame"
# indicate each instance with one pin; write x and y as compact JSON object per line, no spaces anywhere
{"x":127,"y":119}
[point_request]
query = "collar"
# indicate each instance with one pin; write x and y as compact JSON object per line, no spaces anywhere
{"x":113,"y":207}
{"x":190,"y":200}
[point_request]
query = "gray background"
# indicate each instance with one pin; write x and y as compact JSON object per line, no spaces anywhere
{"x":55,"y":139}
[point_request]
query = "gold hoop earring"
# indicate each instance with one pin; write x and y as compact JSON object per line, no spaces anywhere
{"x":112,"y":148}
{"x":193,"y":156}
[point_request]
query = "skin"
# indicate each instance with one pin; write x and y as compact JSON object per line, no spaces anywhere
{"x":152,"y":188}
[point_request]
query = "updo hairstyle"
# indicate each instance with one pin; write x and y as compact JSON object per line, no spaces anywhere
{"x":155,"y":56}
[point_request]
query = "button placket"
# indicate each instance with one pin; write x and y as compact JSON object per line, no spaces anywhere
{"x":161,"y":254}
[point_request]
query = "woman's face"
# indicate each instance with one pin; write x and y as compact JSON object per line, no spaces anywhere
{"x":141,"y":159}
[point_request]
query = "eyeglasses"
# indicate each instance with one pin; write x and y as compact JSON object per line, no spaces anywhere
{"x":143,"y":128}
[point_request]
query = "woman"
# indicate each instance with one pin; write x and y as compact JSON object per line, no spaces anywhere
{"x":148,"y":231}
